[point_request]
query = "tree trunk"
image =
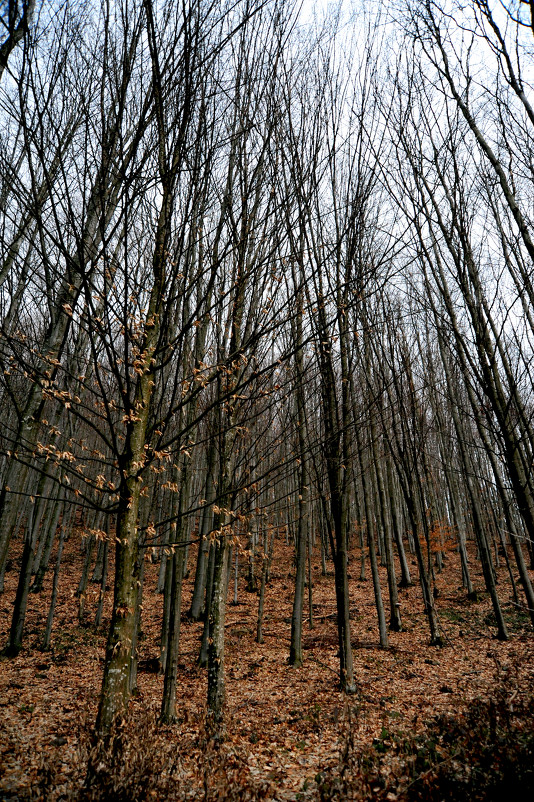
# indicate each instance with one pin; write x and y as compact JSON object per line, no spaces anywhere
{"x":116,"y":680}
{"x":14,"y":643}
{"x":51,"y":609}
{"x":217,"y":613}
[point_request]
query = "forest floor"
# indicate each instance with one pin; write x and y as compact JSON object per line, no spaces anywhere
{"x":285,"y":723}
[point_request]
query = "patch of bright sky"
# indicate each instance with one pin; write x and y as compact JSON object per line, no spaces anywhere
{"x":312,"y":8}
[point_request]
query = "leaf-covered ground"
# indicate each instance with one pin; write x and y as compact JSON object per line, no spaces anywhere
{"x":282,"y":723}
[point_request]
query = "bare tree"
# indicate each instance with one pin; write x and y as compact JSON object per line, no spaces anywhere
{"x":15,"y":21}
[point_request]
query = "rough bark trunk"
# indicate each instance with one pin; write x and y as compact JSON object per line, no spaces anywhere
{"x":116,"y":680}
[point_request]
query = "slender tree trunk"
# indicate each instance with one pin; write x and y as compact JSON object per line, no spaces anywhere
{"x":14,"y":643}
{"x":100,"y":608}
{"x":51,"y":524}
{"x":395,"y":619}
{"x":84,"y":579}
{"x":480,"y":534}
{"x":203,"y":655}
{"x":168,"y":706}
{"x":199,"y":590}
{"x":406,"y":579}
{"x":53,"y":599}
{"x":371,"y":543}
{"x":137,"y":622}
{"x":302,"y":545}
{"x":217,"y":613}
{"x":310,"y":580}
